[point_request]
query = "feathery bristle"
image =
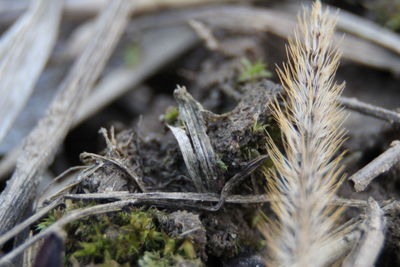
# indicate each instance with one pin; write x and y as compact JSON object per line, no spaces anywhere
{"x":307,"y":173}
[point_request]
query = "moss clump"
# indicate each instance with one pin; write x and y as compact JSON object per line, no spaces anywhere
{"x":123,"y":239}
{"x":127,"y":237}
{"x":253,"y":71}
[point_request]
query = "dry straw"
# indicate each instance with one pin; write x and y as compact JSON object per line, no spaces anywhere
{"x":307,"y":172}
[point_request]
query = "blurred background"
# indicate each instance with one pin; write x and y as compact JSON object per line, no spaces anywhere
{"x":164,"y":45}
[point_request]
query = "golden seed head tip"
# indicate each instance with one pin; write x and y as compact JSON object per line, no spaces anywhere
{"x":307,"y":173}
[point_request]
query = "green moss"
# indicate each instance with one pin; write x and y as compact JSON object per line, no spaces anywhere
{"x":125,"y":238}
{"x":50,"y":219}
{"x":121,"y":239}
{"x":57,"y":213}
{"x":253,"y":71}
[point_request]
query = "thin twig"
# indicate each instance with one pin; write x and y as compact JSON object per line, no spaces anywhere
{"x":379,"y":165}
{"x":62,"y":176}
{"x":70,"y":217}
{"x":211,"y":197}
{"x":172,"y":196}
{"x":42,"y":142}
{"x":371,"y":110}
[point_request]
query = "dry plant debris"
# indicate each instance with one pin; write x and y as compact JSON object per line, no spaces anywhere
{"x":201,"y":175}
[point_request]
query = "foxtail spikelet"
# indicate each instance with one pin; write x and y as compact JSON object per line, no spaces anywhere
{"x":307,"y":172}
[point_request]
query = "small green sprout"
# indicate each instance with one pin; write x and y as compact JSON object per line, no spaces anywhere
{"x":253,"y":71}
{"x":188,"y":249}
{"x":171,"y":115}
{"x":222,"y":165}
{"x":259,"y":128}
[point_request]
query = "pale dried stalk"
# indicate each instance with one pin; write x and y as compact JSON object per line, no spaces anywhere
{"x":381,"y":164}
{"x":370,"y":244}
{"x":307,"y":174}
{"x":24,"y":50}
{"x":390,"y":116}
{"x":40,"y":145}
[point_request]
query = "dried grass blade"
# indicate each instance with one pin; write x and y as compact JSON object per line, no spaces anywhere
{"x":190,"y":112}
{"x":40,"y":145}
{"x":189,"y":156}
{"x":24,"y":51}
